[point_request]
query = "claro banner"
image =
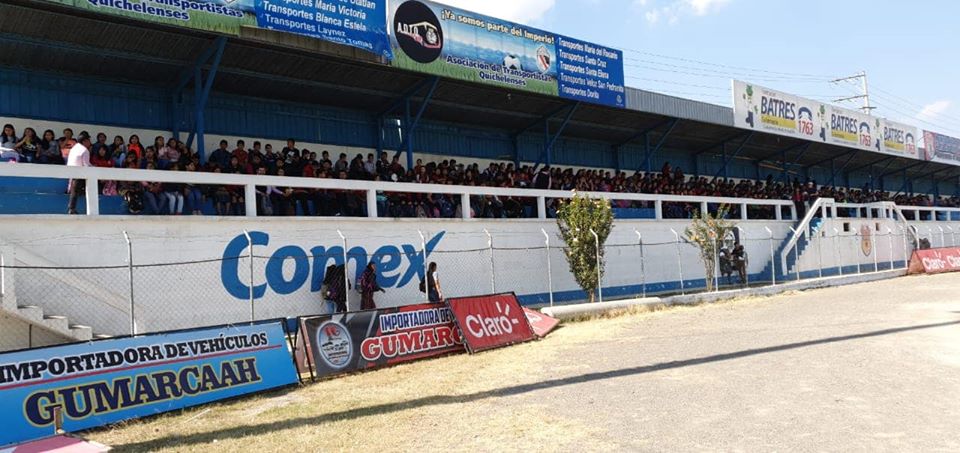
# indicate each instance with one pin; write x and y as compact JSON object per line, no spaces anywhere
{"x":375,"y":338}
{"x":935,"y":261}
{"x":762,"y":109}
{"x":103,"y":382}
{"x":489,"y":322}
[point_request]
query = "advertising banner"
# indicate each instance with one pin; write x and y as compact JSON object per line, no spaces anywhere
{"x":103,"y":382}
{"x":935,"y":261}
{"x":898,"y":139}
{"x":451,"y":42}
{"x":358,"y":23}
{"x":941,"y":148}
{"x":762,"y":109}
{"x":489,"y":322}
{"x":540,"y":323}
{"x":362,"y":340}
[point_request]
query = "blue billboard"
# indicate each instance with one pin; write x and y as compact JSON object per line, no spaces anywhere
{"x":451,"y":42}
{"x":357,"y":23}
{"x":99,"y":383}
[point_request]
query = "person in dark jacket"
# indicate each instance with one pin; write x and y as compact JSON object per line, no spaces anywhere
{"x":367,"y":286}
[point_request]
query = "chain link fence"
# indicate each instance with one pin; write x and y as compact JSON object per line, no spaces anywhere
{"x":122,"y":297}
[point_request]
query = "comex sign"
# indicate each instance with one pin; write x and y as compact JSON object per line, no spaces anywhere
{"x":312,"y":266}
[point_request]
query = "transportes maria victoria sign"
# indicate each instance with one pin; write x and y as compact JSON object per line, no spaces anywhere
{"x":489,"y":322}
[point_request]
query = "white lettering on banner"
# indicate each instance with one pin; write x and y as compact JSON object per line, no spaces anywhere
{"x":480,"y":326}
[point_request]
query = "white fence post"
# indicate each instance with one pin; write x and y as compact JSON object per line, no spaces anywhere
{"x":372,"y":204}
{"x":716,"y":263}
{"x":773,"y":260}
{"x":943,"y":239}
{"x":820,"y":251}
{"x":679,"y":260}
{"x":92,"y":196}
{"x":643,"y":270}
{"x":250,"y":200}
{"x":426,"y":280}
{"x":873,"y":249}
{"x":250,"y":250}
{"x":838,"y":249}
{"x":796,"y":254}
{"x":890,"y":240}
{"x":903,"y":235}
{"x":596,"y":242}
{"x":133,"y":316}
{"x":346,"y":273}
{"x":493,"y":274}
{"x":546,"y":238}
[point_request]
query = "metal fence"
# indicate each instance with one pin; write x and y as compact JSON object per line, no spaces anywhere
{"x":125,"y":296}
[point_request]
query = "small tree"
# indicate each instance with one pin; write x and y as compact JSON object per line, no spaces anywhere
{"x":576,"y":218}
{"x":707,"y":233}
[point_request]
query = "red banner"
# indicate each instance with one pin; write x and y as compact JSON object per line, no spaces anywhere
{"x":541,"y":323}
{"x":489,"y":322}
{"x":935,"y":261}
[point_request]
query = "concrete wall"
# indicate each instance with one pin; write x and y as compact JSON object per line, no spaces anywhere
{"x":210,"y":286}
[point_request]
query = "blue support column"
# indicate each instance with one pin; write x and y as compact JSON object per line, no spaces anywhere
{"x":646,"y":153}
{"x":516,"y":152}
{"x":650,"y":152}
{"x":410,"y":122}
{"x":407,"y":143}
{"x":201,"y":93}
{"x":551,"y":138}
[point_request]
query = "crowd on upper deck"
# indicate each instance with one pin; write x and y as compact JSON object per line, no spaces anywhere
{"x":170,"y":154}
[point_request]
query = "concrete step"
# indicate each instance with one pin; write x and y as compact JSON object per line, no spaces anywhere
{"x":31,"y":313}
{"x":101,"y":336}
{"x":81,"y":332}
{"x":59,"y":324}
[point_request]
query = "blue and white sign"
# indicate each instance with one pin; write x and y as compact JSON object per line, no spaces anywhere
{"x":590,"y":73}
{"x":357,"y":23}
{"x":95,"y":384}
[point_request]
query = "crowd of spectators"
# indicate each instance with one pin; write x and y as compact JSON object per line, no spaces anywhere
{"x":169,"y":154}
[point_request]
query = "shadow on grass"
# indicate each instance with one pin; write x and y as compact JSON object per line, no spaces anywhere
{"x":360,"y":412}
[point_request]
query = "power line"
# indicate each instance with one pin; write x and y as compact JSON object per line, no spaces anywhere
{"x":742,"y":68}
{"x":713,"y":72}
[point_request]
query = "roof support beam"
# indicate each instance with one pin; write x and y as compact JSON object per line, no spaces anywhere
{"x":721,"y":143}
{"x":783,"y":151}
{"x":885,"y":159}
{"x":545,"y":119}
{"x":835,"y":172}
{"x":551,"y":139}
{"x":647,"y":152}
{"x":201,"y":89}
{"x":728,"y":159}
{"x":904,"y":169}
{"x":642,"y":133}
{"x":410,"y":124}
{"x":831,"y":158}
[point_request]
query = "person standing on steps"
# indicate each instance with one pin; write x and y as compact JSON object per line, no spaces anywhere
{"x":79,"y":156}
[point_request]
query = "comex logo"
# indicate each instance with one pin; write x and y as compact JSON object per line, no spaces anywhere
{"x":481,"y":326}
{"x":418,"y":32}
{"x":336,"y":346}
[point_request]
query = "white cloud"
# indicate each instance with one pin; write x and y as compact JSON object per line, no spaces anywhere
{"x":670,"y":11}
{"x":704,"y":7}
{"x":931,"y":111}
{"x":522,"y":11}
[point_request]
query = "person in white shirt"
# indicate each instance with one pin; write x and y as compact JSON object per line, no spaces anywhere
{"x":79,"y":156}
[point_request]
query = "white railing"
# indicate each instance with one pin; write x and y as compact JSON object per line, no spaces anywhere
{"x":94,"y":175}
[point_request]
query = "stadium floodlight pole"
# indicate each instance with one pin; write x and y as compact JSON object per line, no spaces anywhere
{"x":890,"y":240}
{"x":546,"y":239}
{"x":838,"y":249}
{"x":250,"y":250}
{"x":493,"y":274}
{"x":426,"y":280}
{"x":773,"y":259}
{"x":133,"y":317}
{"x":643,"y":270}
{"x":596,"y":245}
{"x":679,"y":261}
{"x":346,"y":273}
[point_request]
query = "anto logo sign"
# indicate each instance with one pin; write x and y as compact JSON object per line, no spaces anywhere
{"x":397,"y":266}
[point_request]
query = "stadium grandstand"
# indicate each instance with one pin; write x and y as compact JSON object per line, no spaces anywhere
{"x":185,"y":182}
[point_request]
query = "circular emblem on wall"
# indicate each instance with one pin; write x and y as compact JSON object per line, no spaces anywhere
{"x":418,"y":31}
{"x":336,"y":346}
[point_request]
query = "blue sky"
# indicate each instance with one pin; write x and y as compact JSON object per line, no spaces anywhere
{"x":692,"y":48}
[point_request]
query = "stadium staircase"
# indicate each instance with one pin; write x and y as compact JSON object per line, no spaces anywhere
{"x":20,"y":306}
